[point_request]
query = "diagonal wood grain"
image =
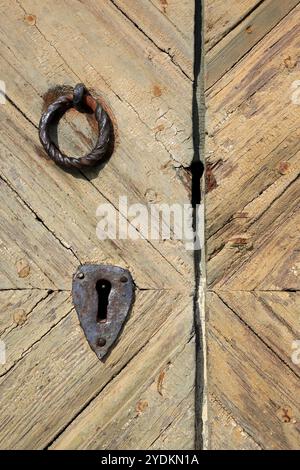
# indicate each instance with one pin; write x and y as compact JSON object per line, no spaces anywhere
{"x":31,"y":322}
{"x":258,"y":19}
{"x":168,"y":24}
{"x":220,"y":20}
{"x":134,"y":77}
{"x":51,"y":375}
{"x":254,"y":252}
{"x":250,"y":381}
{"x":61,"y":375}
{"x":272,"y":316}
{"x":30,"y":255}
{"x":224,"y":432}
{"x":252,"y":213}
{"x":138,"y":407}
{"x":142,"y":163}
{"x":17,"y":304}
{"x":253,"y":192}
{"x":61,"y":197}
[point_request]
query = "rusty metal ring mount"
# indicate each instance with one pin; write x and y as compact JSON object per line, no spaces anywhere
{"x":81,"y":100}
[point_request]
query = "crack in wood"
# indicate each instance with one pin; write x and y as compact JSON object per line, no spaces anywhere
{"x":27,"y":351}
{"x":165,"y":51}
{"x":263,"y":341}
{"x":113,"y":378}
{"x":38,"y":219}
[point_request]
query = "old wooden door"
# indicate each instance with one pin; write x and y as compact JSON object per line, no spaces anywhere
{"x":138,"y":57}
{"x":252,"y":214}
{"x":54,"y":392}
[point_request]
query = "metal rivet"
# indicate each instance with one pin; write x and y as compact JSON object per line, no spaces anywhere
{"x":80,"y":275}
{"x":124,"y":279}
{"x":101,"y":342}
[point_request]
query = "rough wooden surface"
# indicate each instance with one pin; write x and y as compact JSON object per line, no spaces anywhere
{"x":52,"y":381}
{"x":249,"y":22}
{"x":145,"y":399}
{"x":54,"y":393}
{"x":252,"y":211}
{"x":220,"y":20}
{"x":254,"y":385}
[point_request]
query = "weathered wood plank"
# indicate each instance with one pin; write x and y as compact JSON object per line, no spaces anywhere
{"x":272,"y":316}
{"x":260,"y":254}
{"x":221,"y":18}
{"x":65,"y":375}
{"x":244,"y":36}
{"x":255,"y":95}
{"x":252,"y":208}
{"x":141,"y":165}
{"x":52,"y":374}
{"x":169,"y":24}
{"x":31,"y":323}
{"x":178,"y":435}
{"x":224,"y":433}
{"x":61,"y":197}
{"x":131,"y":72}
{"x":30,"y":254}
{"x":13,"y":302}
{"x":138,"y":407}
{"x":255,"y":169}
{"x":250,"y":381}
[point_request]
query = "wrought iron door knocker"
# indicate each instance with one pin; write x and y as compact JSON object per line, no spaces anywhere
{"x":81,"y":100}
{"x":102,"y":294}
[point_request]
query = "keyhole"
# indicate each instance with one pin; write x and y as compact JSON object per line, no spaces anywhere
{"x":103,"y":288}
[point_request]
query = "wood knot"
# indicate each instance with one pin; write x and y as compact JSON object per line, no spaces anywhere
{"x":157,"y":91}
{"x":30,"y":19}
{"x":23,"y":268}
{"x":141,"y":406}
{"x":285,"y":414}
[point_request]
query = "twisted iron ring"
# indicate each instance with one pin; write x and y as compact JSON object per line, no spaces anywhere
{"x":81,"y":98}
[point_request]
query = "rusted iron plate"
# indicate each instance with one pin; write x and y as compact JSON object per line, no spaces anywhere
{"x":102,"y":296}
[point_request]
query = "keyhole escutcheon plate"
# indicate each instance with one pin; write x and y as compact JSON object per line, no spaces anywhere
{"x":102,"y":296}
